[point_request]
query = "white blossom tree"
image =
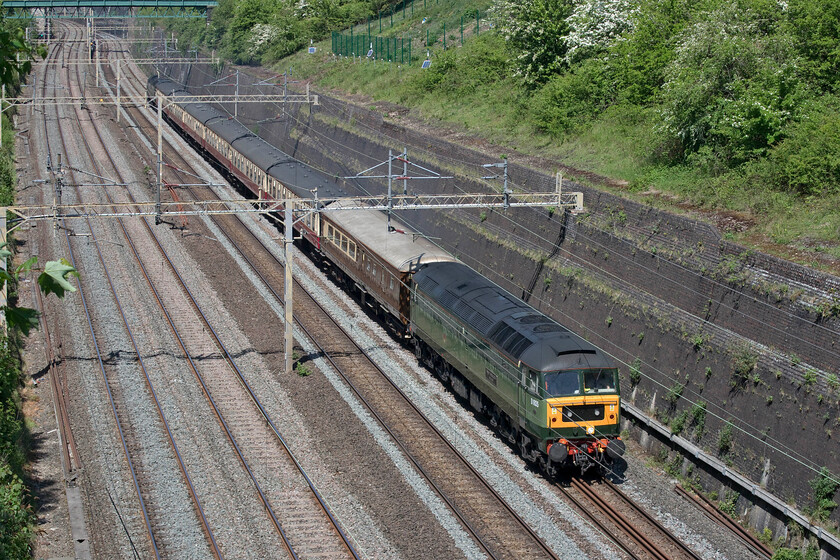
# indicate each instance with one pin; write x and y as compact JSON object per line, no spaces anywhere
{"x":535,"y":30}
{"x":595,"y":25}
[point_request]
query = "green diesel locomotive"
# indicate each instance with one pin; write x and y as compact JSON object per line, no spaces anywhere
{"x":544,"y":388}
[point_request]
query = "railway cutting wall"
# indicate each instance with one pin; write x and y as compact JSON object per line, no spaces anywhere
{"x":733,"y":349}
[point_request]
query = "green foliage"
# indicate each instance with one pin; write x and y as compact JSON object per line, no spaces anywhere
{"x":816,"y":26}
{"x":13,"y":47}
{"x":729,"y":504}
{"x":639,"y":61}
{"x":807,"y":161}
{"x":785,"y":553}
{"x":698,"y":420}
{"x":573,"y":98}
{"x":675,"y":392}
{"x":535,"y":31}
{"x":54,"y":279}
{"x":825,"y":485}
{"x":302,"y":370}
{"x":766,"y":536}
{"x":678,"y":424}
{"x":744,"y":361}
{"x":725,"y":439}
{"x":15,"y":515}
{"x":635,"y":372}
{"x":732,"y":86}
{"x":456,"y":72}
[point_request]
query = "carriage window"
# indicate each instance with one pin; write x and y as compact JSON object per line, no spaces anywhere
{"x":392,"y":283}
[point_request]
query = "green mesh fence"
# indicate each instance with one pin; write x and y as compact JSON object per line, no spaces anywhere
{"x":392,"y":49}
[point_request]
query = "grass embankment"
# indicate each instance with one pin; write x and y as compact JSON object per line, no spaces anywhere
{"x":582,"y":123}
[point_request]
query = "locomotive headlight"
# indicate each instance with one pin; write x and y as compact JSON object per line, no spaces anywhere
{"x":590,"y":430}
{"x":597,"y":412}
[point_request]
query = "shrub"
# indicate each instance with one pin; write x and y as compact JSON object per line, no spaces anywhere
{"x":725,"y":439}
{"x":825,"y":485}
{"x":787,"y":554}
{"x":572,"y":99}
{"x":15,"y":516}
{"x":729,"y":505}
{"x":635,"y":372}
{"x":744,"y":361}
{"x":675,"y":392}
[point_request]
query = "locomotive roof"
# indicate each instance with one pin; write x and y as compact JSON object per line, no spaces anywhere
{"x":510,"y":324}
{"x":404,"y":251}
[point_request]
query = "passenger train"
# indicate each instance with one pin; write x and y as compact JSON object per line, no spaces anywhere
{"x":543,"y":388}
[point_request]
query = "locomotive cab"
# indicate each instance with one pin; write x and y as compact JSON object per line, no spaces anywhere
{"x":582,"y":415}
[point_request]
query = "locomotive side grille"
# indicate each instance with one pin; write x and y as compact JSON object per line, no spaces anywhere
{"x":583,"y":413}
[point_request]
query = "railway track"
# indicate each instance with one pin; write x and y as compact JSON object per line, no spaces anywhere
{"x":121,"y":389}
{"x":309,"y":542}
{"x":713,"y":513}
{"x":632,"y":528}
{"x":296,"y":502}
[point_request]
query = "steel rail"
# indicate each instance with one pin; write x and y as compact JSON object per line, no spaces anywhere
{"x":231,"y":361}
{"x":714,"y":513}
{"x":676,"y":541}
{"x":70,"y":461}
{"x":182,"y":466}
{"x":126,"y":452}
{"x":620,"y":521}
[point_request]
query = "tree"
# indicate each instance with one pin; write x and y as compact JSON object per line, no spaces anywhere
{"x":15,"y":55}
{"x":733,"y":85}
{"x":595,"y":25}
{"x":535,"y":31}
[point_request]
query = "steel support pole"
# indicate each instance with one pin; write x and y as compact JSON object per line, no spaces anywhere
{"x":3,"y":102}
{"x":159,"y":156}
{"x":96,"y":68}
{"x":118,"y":90}
{"x":390,"y":180}
{"x":405,"y":170}
{"x":287,"y":290}
{"x":236,"y":100}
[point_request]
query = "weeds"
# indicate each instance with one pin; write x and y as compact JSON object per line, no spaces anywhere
{"x":725,"y":440}
{"x":635,"y":372}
